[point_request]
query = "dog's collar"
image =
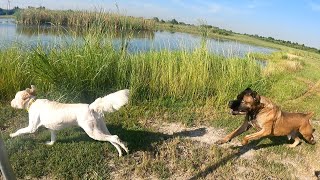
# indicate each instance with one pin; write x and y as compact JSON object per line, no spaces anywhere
{"x":30,"y":102}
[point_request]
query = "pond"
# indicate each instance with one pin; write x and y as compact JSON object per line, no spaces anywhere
{"x":28,"y":36}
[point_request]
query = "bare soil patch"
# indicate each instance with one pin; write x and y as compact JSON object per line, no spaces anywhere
{"x":204,"y":134}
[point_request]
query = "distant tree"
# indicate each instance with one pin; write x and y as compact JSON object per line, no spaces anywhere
{"x":270,"y":38}
{"x":206,"y":26}
{"x":156,"y":19}
{"x":173,"y":21}
{"x":162,"y":21}
{"x":9,"y":12}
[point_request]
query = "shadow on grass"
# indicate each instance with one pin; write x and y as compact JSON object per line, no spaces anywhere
{"x":136,"y":140}
{"x":276,"y":141}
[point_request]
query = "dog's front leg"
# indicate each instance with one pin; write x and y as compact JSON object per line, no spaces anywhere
{"x":53,"y":138}
{"x":25,"y":130}
{"x":244,"y":127}
{"x":254,"y":136}
{"x":34,"y":123}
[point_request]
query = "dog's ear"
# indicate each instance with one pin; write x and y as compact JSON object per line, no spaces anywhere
{"x":240,"y":96}
{"x":260,"y":105}
{"x":248,"y":89}
{"x":32,"y":91}
{"x":256,"y":96}
{"x":26,"y":95}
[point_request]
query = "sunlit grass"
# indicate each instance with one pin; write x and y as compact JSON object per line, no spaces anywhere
{"x":94,"y":68}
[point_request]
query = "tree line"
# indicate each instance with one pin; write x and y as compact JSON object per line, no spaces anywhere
{"x":286,"y":43}
{"x":224,"y":32}
{"x":8,"y":11}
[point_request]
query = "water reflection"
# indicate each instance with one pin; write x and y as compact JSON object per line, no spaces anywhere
{"x":60,"y":30}
{"x":142,"y":41}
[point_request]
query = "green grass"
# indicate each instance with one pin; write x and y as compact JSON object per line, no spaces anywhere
{"x":95,"y":68}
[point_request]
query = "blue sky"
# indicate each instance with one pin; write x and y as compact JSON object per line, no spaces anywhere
{"x":293,"y":20}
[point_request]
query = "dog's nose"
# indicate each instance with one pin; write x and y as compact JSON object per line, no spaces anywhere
{"x":230,"y":103}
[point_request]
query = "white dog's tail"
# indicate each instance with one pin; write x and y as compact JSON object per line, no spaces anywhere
{"x":112,"y":102}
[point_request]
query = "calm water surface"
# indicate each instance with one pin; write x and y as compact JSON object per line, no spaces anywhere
{"x":26,"y":36}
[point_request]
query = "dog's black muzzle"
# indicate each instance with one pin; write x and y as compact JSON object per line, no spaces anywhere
{"x":235,"y":109}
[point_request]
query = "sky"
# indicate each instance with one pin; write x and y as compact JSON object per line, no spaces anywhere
{"x":290,"y":20}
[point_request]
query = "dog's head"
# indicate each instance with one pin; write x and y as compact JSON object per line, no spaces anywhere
{"x":247,"y":101}
{"x":22,"y":97}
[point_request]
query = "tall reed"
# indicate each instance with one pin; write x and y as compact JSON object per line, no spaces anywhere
{"x":83,"y":19}
{"x":14,"y":72}
{"x":85,"y":71}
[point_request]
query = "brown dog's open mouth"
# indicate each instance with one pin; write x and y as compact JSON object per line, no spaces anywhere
{"x":234,"y":112}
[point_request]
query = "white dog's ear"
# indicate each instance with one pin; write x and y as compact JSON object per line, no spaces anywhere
{"x":26,"y":95}
{"x":32,"y":91}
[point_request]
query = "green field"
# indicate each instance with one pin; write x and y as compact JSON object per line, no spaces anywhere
{"x":187,"y":91}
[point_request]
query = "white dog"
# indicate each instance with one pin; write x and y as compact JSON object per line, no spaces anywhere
{"x":55,"y":116}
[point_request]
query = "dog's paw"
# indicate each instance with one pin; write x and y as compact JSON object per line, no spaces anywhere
{"x":291,"y":145}
{"x":50,"y":143}
{"x":219,"y":142}
{"x":120,"y":154}
{"x":12,"y":135}
{"x":126,"y":149}
{"x":244,"y":142}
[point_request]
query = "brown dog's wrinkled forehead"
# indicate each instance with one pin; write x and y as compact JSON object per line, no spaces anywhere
{"x":248,"y":98}
{"x":247,"y":91}
{"x":248,"y":95}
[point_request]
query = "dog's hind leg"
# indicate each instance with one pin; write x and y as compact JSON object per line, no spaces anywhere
{"x":53,"y":138}
{"x":124,"y":147}
{"x":98,"y":135}
{"x":104,"y":129}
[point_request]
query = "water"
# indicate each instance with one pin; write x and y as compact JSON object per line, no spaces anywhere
{"x":26,"y":36}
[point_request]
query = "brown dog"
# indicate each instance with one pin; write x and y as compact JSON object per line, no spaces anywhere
{"x":264,"y":115}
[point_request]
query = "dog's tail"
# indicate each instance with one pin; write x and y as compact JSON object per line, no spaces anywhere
{"x":112,"y":102}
